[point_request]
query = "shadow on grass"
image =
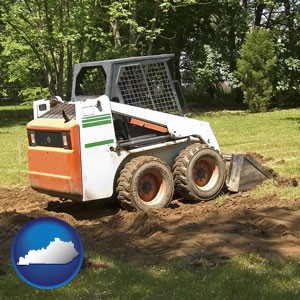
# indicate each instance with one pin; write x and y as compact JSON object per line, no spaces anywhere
{"x":15,"y":115}
{"x":248,"y":277}
{"x":294,"y":119}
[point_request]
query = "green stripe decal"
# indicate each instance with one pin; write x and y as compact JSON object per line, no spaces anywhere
{"x":96,"y":121}
{"x":97,"y":118}
{"x":100,"y":143}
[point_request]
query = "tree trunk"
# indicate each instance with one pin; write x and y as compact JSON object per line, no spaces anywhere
{"x":116,"y":33}
{"x":239,"y":96}
{"x":212,"y":92}
{"x":47,"y":74}
{"x":244,"y":3}
{"x":258,"y":14}
{"x":69,"y":70}
{"x":153,"y":26}
{"x":132,"y":30}
{"x":290,"y":21}
{"x":60,"y":73}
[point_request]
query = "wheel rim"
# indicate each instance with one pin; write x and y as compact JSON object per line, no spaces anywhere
{"x":150,"y":185}
{"x":205,"y":173}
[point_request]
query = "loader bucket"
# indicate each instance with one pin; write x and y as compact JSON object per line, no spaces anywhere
{"x":245,"y":173}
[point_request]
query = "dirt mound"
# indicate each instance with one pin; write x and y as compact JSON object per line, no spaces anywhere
{"x":208,"y":230}
{"x":292,"y":182}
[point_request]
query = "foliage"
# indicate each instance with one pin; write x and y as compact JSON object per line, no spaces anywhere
{"x":44,"y":39}
{"x":255,"y":69}
{"x":40,"y":41}
{"x":208,"y":73}
{"x":288,"y":80}
{"x":35,"y":93}
{"x":210,"y":40}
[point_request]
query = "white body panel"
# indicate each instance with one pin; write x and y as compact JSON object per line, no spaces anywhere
{"x":177,"y":126}
{"x":40,"y":107}
{"x":99,"y":163}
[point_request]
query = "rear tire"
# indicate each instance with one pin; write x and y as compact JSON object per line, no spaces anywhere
{"x":145,"y":183}
{"x":199,"y":173}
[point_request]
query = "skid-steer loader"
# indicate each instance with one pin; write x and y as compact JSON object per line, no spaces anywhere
{"x":123,"y":134}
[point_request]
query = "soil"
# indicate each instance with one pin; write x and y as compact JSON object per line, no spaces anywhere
{"x":210,"y":230}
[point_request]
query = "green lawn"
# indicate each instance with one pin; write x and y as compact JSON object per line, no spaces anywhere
{"x":243,"y":277}
{"x":275,"y":135}
{"x":13,"y":144}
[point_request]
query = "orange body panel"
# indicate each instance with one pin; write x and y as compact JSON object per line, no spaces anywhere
{"x":148,"y":125}
{"x":56,"y":171}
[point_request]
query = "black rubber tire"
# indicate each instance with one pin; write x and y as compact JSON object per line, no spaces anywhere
{"x":199,"y":173}
{"x":145,"y":182}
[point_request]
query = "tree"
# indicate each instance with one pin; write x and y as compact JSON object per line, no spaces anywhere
{"x":44,"y":38}
{"x":255,"y":69}
{"x":210,"y":39}
{"x":282,"y":17}
{"x":40,"y":40}
{"x":52,"y":35}
{"x":287,"y":29}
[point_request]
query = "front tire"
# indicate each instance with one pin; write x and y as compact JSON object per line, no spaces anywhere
{"x":145,"y":183}
{"x":199,"y":173}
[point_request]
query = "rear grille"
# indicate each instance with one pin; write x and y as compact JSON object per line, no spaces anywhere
{"x":49,"y":139}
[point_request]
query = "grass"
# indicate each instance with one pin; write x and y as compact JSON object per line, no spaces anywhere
{"x":13,"y":145}
{"x":243,"y":277}
{"x":275,"y":135}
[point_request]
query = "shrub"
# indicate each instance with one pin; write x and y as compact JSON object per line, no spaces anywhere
{"x":255,"y":69}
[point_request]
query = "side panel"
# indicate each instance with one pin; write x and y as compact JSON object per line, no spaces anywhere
{"x":178,"y":127}
{"x":99,"y":162}
{"x":54,"y":170}
{"x":165,"y":151}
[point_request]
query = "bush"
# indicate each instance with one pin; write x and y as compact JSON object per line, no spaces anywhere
{"x":255,"y":69}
